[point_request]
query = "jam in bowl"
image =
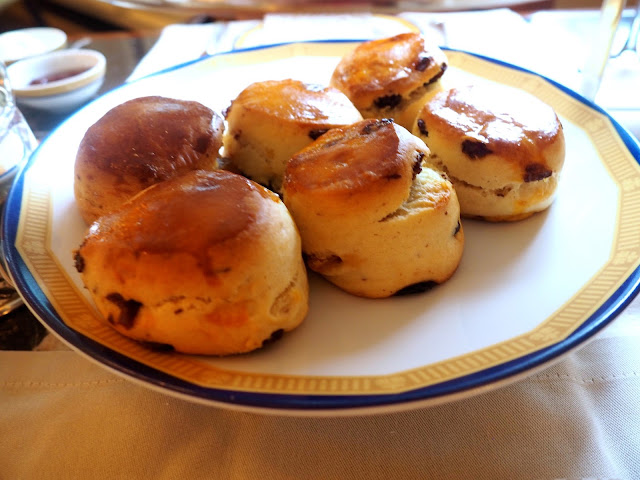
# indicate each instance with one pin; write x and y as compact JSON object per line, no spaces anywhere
{"x":60,"y":81}
{"x":56,"y":77}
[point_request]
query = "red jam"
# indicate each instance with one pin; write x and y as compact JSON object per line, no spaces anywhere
{"x":57,"y":76}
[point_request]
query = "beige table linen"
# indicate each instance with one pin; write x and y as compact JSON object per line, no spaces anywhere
{"x":64,"y":417}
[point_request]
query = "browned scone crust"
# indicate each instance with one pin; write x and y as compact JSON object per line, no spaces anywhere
{"x":269,"y":121}
{"x":385,"y":78}
{"x":502,"y":148}
{"x":373,"y":216}
{"x":207,"y":263}
{"x":141,"y":142}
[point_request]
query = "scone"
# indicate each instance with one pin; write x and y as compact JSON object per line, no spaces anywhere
{"x":502,"y":148}
{"x":141,"y":142}
{"x":270,"y":121}
{"x":373,"y":216}
{"x":391,"y":77}
{"x":205,"y":263}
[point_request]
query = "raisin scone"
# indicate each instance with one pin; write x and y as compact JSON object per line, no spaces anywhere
{"x":141,"y":142}
{"x":502,"y":148}
{"x":206,"y":263}
{"x":373,"y":216}
{"x":271,"y":120}
{"x":391,"y":77}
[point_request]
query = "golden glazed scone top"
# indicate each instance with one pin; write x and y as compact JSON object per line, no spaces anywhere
{"x":195,"y":214}
{"x":295,"y":101}
{"x":503,"y":121}
{"x":150,"y":138}
{"x":389,"y":66}
{"x":369,"y":164}
{"x":349,"y":159}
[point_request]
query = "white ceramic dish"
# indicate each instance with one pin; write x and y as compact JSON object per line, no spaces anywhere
{"x":28,"y":42}
{"x":525,"y":294}
{"x":59,"y":81}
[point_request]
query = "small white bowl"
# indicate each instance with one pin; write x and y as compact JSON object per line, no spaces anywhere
{"x":58,"y":81}
{"x":28,"y":42}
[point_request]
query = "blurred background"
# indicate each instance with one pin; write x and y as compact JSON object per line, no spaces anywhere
{"x":81,"y":16}
{"x":76,"y":17}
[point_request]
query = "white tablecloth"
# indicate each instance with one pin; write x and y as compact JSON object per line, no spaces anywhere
{"x":62,"y":416}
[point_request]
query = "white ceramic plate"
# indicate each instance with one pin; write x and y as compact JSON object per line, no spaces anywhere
{"x":525,"y":294}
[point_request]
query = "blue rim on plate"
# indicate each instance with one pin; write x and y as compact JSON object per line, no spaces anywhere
{"x":503,"y":373}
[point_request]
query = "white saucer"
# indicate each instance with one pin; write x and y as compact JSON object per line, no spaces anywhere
{"x":28,"y":42}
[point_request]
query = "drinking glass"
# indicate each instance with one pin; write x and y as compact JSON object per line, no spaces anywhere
{"x":600,"y":49}
{"x":17,"y":142}
{"x":16,"y":138}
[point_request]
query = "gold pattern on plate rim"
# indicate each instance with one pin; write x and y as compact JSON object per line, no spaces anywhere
{"x":34,"y":237}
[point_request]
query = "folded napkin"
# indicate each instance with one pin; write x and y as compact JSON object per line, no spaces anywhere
{"x":284,"y":28}
{"x":182,"y":43}
{"x":179,"y":44}
{"x":499,"y":33}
